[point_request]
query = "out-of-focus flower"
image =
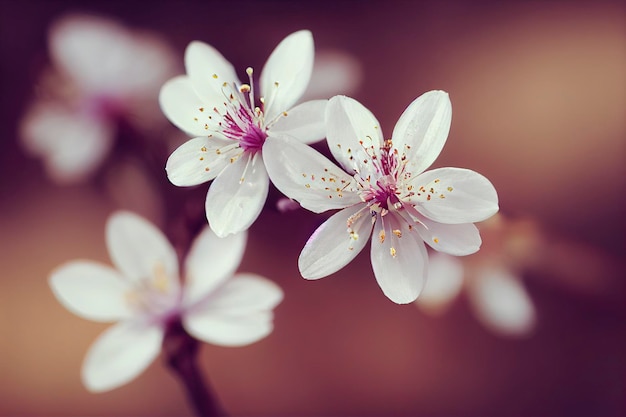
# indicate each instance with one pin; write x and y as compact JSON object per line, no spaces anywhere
{"x":385,"y":190}
{"x":232,"y":132}
{"x":491,"y":278}
{"x":101,"y":72}
{"x":334,"y":72}
{"x":144,"y":294}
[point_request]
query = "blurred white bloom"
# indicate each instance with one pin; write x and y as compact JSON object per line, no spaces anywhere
{"x":231,"y":131}
{"x":102,"y":72}
{"x":144,"y":294}
{"x":334,"y":72}
{"x":385,"y":190}
{"x":491,"y":278}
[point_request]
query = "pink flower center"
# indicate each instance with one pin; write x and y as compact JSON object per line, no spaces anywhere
{"x":383,"y":189}
{"x":242,"y":120}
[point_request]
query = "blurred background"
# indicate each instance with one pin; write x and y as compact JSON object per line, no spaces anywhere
{"x":539,"y":98}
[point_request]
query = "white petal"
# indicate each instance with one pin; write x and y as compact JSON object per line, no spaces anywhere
{"x":211,"y":260}
{"x":445,"y":280}
{"x":287,"y":72}
{"x":454,"y":239}
{"x":237,"y":314}
{"x":90,"y":290}
{"x":304,"y":122}
{"x":72,"y":143}
{"x":335,"y":243}
{"x":422,"y":130}
{"x":354,"y":135}
{"x":305,"y":175}
{"x":120,"y":354}
{"x":454,"y":195}
{"x":399,"y":259}
{"x":208,"y":71}
{"x":237,"y":195}
{"x":334,"y":72}
{"x":184,"y":108}
{"x":140,"y":250}
{"x":501,"y":302}
{"x":199,"y":160}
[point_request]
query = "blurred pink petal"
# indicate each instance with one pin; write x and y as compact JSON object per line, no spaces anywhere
{"x":501,"y":302}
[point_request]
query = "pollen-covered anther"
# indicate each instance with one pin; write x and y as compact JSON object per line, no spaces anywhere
{"x":436,"y":240}
{"x":381,"y":236}
{"x":245,"y":88}
{"x":450,"y":189}
{"x":397,"y":232}
{"x":392,"y":252}
{"x":215,"y":76}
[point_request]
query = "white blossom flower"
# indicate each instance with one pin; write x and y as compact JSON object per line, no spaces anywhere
{"x":385,"y":191}
{"x":232,"y":131}
{"x":101,"y":73}
{"x":491,"y":278}
{"x":144,"y":294}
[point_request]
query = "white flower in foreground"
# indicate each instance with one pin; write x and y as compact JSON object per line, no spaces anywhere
{"x":491,"y":278}
{"x":385,"y":190}
{"x":144,"y":294}
{"x":101,"y":72}
{"x":232,"y":132}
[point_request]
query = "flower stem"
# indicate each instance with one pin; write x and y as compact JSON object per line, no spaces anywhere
{"x":181,"y":353}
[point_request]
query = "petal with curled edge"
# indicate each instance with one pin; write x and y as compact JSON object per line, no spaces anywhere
{"x":237,"y":195}
{"x":336,"y":242}
{"x":305,"y":175}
